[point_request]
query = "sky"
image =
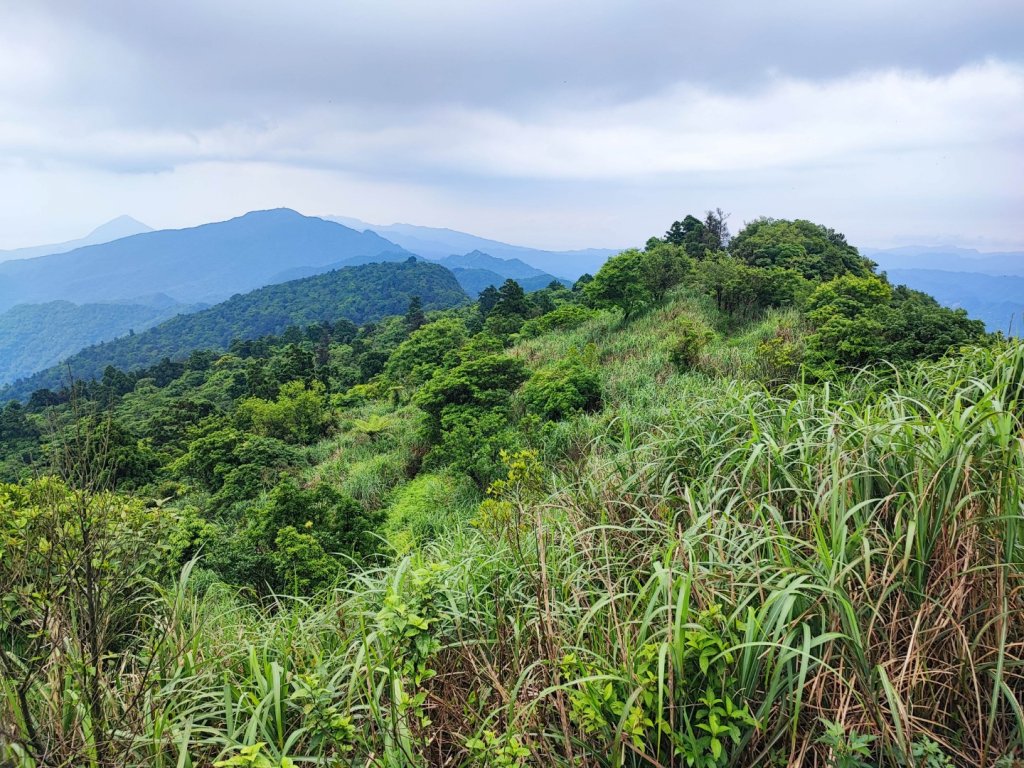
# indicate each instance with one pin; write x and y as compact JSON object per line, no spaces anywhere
{"x":569,"y":124}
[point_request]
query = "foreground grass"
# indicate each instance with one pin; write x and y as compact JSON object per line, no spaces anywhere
{"x":823,"y":576}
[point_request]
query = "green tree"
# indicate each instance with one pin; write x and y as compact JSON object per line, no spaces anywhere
{"x":619,"y":284}
{"x":816,"y":252}
{"x":662,"y":267}
{"x":487,"y":300}
{"x":298,"y":415}
{"x":847,"y":321}
{"x":485,"y":382}
{"x":433,"y":346}
{"x":414,"y":316}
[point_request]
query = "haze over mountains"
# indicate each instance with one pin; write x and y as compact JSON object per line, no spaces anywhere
{"x":53,"y":305}
{"x":437,"y":243}
{"x":990,"y":286}
{"x":207,"y":263}
{"x":115,"y":229}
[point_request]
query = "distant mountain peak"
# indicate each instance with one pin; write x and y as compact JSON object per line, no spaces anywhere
{"x":122,"y":226}
{"x":442,"y":243}
{"x":201,"y":264}
{"x":275,"y":213}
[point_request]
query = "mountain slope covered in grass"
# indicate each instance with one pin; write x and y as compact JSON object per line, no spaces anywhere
{"x":744,"y":504}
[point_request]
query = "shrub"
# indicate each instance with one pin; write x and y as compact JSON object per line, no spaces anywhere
{"x":565,"y":317}
{"x":562,"y":389}
{"x":691,"y":337}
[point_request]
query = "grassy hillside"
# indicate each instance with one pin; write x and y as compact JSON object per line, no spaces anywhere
{"x":740,"y":507}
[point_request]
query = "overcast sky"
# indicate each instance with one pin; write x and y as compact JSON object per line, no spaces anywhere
{"x":554,"y":124}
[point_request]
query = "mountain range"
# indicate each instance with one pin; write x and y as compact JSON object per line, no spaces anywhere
{"x":989,"y":286}
{"x":53,"y":305}
{"x":208,"y":263}
{"x":115,"y":229}
{"x":124,"y":277}
{"x":947,"y":259}
{"x":437,"y":243}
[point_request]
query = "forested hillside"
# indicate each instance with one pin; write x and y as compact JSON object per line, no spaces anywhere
{"x":37,"y":336}
{"x":357,"y":294}
{"x":729,"y":501}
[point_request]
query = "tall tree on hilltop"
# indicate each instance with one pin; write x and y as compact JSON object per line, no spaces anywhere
{"x":414,"y":316}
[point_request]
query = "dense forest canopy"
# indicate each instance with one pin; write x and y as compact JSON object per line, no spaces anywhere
{"x":731,"y":500}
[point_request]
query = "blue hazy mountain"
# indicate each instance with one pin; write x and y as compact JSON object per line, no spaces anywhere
{"x":514,"y":268}
{"x":997,"y":300}
{"x":474,"y":281}
{"x":948,"y":259}
{"x":990,"y":286}
{"x":361,"y":294}
{"x":436,"y":243}
{"x":115,"y":229}
{"x":207,"y":263}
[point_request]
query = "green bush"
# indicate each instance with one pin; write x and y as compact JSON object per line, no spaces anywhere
{"x":690,"y":338}
{"x":565,"y":317}
{"x":559,"y":390}
{"x":298,"y":415}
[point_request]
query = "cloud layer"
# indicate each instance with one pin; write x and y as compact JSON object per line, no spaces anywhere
{"x":561,"y":125}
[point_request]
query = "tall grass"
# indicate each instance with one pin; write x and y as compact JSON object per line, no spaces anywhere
{"x":820,"y":576}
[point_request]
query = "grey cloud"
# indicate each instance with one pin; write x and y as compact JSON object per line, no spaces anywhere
{"x":551,"y":120}
{"x":199,"y":63}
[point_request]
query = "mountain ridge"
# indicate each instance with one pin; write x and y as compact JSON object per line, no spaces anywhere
{"x":115,"y":229}
{"x":206,"y":263}
{"x":437,"y":243}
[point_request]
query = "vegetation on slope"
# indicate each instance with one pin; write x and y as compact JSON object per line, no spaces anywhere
{"x":697,"y":510}
{"x":38,"y":336}
{"x":359,"y":294}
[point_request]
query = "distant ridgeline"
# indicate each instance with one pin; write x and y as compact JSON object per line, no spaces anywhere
{"x":204,"y":264}
{"x":361,"y":294}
